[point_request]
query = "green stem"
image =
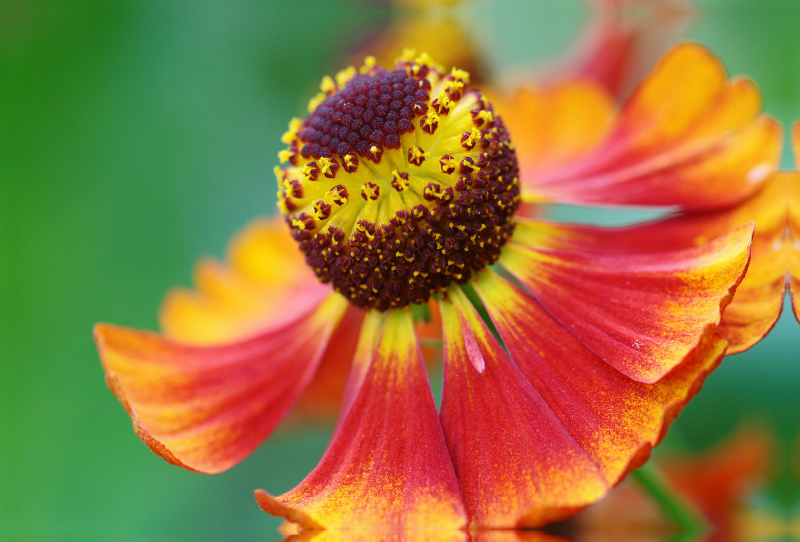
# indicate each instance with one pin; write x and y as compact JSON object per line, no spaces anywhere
{"x":672,"y":504}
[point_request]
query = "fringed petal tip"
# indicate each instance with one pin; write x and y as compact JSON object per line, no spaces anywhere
{"x":206,"y":408}
{"x":272,"y":506}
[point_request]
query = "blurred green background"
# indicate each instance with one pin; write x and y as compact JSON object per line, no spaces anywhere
{"x":136,"y":135}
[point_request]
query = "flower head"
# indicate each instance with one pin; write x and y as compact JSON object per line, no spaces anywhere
{"x":400,"y":182}
{"x":563,"y":366}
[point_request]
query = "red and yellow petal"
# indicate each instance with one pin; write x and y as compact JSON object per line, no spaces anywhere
{"x":206,"y":408}
{"x":687,"y":137}
{"x":516,"y":464}
{"x":387,"y":466}
{"x":264,"y":282}
{"x":759,"y":297}
{"x":642,"y":314}
{"x":616,"y":420}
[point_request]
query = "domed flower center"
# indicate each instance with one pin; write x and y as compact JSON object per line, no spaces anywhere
{"x":399,"y":182}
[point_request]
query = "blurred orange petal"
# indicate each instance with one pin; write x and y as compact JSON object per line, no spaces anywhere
{"x":264,"y":282}
{"x":794,"y":224}
{"x":687,"y":137}
{"x":554,"y":125}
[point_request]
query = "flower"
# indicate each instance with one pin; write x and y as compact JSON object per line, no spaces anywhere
{"x":400,"y":189}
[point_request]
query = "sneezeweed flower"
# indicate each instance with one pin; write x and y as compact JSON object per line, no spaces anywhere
{"x":400,"y":190}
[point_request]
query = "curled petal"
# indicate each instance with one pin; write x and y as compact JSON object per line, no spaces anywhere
{"x":687,"y":137}
{"x":642,"y":314}
{"x":387,"y":466}
{"x":616,"y":420}
{"x":206,"y":408}
{"x":516,"y":464}
{"x":264,"y":282}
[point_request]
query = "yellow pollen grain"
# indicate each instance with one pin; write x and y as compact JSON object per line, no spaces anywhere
{"x":349,"y":161}
{"x":484,"y":116}
{"x":285,"y":155}
{"x":425,"y":60}
{"x":370,"y":191}
{"x":307,"y":171}
{"x":401,"y":182}
{"x":332,"y":196}
{"x":460,"y":74}
{"x":315,"y":101}
{"x":473,"y":137}
{"x":454,"y":86}
{"x":325,"y":164}
{"x":369,"y":63}
{"x":430,"y":119}
{"x":444,"y":101}
{"x":327,"y":85}
{"x":418,"y":153}
{"x":344,"y":76}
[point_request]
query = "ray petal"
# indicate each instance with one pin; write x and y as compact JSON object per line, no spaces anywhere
{"x":615,"y":419}
{"x":206,"y":408}
{"x":387,"y":466}
{"x":517,"y":465}
{"x":642,"y":314}
{"x":757,"y":304}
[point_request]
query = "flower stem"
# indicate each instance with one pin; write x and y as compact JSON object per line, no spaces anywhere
{"x":676,"y":508}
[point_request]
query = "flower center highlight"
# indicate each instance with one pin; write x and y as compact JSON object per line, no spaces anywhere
{"x":399,"y":182}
